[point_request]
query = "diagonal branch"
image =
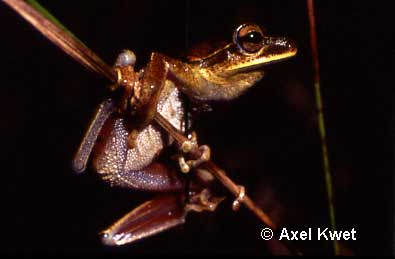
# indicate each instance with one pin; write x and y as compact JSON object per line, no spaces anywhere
{"x":56,"y":33}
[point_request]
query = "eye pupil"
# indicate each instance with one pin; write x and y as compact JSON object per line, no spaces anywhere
{"x":254,"y":37}
{"x":251,"y":42}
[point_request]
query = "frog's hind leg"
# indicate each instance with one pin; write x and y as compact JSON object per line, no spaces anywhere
{"x":103,"y":112}
{"x":133,"y":168}
{"x":159,"y":214}
{"x":156,"y":177}
{"x":163,"y":212}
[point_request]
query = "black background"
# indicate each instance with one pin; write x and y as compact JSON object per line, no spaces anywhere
{"x":266,"y":140}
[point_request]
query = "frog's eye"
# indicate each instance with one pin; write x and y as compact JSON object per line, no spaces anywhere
{"x":248,"y":37}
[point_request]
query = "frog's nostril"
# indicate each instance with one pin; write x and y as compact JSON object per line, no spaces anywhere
{"x":291,"y":45}
{"x":281,"y":43}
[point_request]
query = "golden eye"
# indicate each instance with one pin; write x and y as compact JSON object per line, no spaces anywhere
{"x":249,"y":38}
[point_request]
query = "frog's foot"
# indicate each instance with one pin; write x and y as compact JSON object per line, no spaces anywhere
{"x":239,"y":199}
{"x":189,"y":145}
{"x":203,"y":201}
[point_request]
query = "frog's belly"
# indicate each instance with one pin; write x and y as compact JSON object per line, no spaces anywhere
{"x":112,"y":155}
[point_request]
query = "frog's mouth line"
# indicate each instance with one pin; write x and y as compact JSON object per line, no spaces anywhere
{"x":264,"y":60}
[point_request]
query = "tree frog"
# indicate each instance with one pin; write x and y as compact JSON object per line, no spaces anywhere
{"x":125,"y":143}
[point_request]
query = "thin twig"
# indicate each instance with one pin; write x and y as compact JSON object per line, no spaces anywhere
{"x":321,"y":122}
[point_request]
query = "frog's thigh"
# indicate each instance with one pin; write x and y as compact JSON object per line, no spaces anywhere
{"x":139,"y":172}
{"x":133,"y":168}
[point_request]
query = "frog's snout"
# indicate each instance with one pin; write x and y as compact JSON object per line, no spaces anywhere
{"x":280,"y":46}
{"x":291,"y":45}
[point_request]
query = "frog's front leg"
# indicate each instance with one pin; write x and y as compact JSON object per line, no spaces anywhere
{"x":153,"y":81}
{"x":146,"y":95}
{"x":141,"y":91}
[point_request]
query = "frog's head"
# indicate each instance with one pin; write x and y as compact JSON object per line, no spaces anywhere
{"x":239,"y":65}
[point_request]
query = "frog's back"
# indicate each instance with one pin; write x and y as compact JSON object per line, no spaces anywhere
{"x":205,"y":49}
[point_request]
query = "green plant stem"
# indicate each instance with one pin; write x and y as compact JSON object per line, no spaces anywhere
{"x":321,"y":121}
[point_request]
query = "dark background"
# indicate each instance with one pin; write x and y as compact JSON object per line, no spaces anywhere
{"x":267,"y":140}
